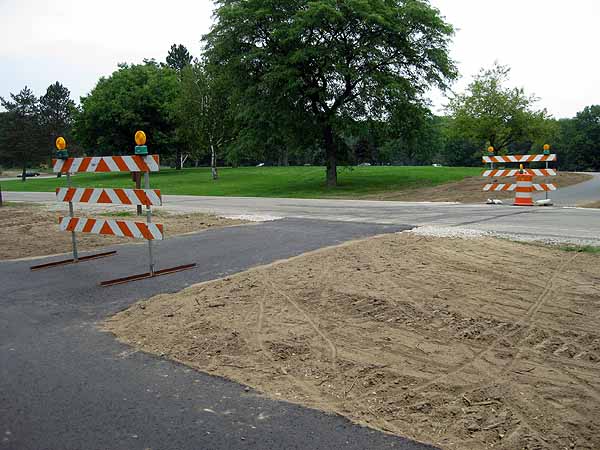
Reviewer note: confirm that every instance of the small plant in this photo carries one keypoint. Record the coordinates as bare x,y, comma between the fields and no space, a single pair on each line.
118,214
580,248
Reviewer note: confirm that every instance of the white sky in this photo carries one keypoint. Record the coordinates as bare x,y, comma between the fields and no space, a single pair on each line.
551,45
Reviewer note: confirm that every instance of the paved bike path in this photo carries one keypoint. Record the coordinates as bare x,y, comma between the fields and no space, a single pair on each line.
64,384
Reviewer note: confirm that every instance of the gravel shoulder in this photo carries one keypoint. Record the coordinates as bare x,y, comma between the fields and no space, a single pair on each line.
463,343
30,230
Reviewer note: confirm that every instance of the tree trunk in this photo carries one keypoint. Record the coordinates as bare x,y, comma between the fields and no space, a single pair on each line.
178,159
213,162
285,159
330,156
23,177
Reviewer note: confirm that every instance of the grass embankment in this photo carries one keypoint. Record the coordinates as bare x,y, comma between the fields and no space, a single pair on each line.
295,182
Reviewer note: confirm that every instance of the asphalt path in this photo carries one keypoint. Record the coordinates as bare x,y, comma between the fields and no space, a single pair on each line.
577,225
578,194
65,384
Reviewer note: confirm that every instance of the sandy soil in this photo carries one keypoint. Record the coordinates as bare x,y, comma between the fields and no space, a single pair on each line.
32,230
470,190
591,205
466,344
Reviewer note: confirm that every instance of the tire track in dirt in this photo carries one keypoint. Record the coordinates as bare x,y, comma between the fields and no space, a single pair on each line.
523,321
260,322
512,403
309,320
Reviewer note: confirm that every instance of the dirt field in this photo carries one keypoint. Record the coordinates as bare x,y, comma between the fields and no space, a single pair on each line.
470,190
466,344
32,230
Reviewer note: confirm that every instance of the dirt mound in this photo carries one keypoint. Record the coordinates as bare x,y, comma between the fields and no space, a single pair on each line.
466,344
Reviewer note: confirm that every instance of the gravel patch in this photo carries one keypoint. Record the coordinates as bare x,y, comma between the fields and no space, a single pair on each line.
469,233
252,217
451,232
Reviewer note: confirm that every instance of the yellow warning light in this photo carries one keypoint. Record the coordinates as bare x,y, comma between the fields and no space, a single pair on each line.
61,144
521,167
140,137
546,147
491,149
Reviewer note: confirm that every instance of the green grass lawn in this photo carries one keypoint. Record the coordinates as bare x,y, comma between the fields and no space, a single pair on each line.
292,182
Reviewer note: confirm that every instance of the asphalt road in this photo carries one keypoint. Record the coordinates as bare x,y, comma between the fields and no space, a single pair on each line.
577,194
64,384
581,226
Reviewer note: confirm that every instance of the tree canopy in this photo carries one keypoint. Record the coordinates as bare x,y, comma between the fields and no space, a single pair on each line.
20,133
578,140
327,59
56,110
492,113
203,114
137,96
325,82
178,58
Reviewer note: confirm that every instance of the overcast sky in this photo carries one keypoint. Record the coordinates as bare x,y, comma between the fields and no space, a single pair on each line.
551,45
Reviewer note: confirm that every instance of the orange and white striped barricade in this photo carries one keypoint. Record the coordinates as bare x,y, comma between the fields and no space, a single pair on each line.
113,196
520,159
144,197
514,172
524,190
501,187
100,164
520,186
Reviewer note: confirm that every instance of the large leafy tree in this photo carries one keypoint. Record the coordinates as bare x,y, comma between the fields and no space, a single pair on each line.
21,140
490,112
135,97
328,59
57,110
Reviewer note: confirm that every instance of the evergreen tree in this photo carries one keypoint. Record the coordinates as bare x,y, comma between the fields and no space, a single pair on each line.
21,139
56,113
178,58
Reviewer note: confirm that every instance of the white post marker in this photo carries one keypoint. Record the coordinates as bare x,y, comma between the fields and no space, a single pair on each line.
149,221
71,214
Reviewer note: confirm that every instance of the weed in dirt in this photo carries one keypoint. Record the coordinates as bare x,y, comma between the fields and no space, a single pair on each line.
118,214
580,248
562,247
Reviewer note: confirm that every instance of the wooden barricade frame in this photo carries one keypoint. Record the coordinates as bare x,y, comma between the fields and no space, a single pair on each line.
139,163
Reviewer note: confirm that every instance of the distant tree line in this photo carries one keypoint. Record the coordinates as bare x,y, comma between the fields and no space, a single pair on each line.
324,83
29,125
